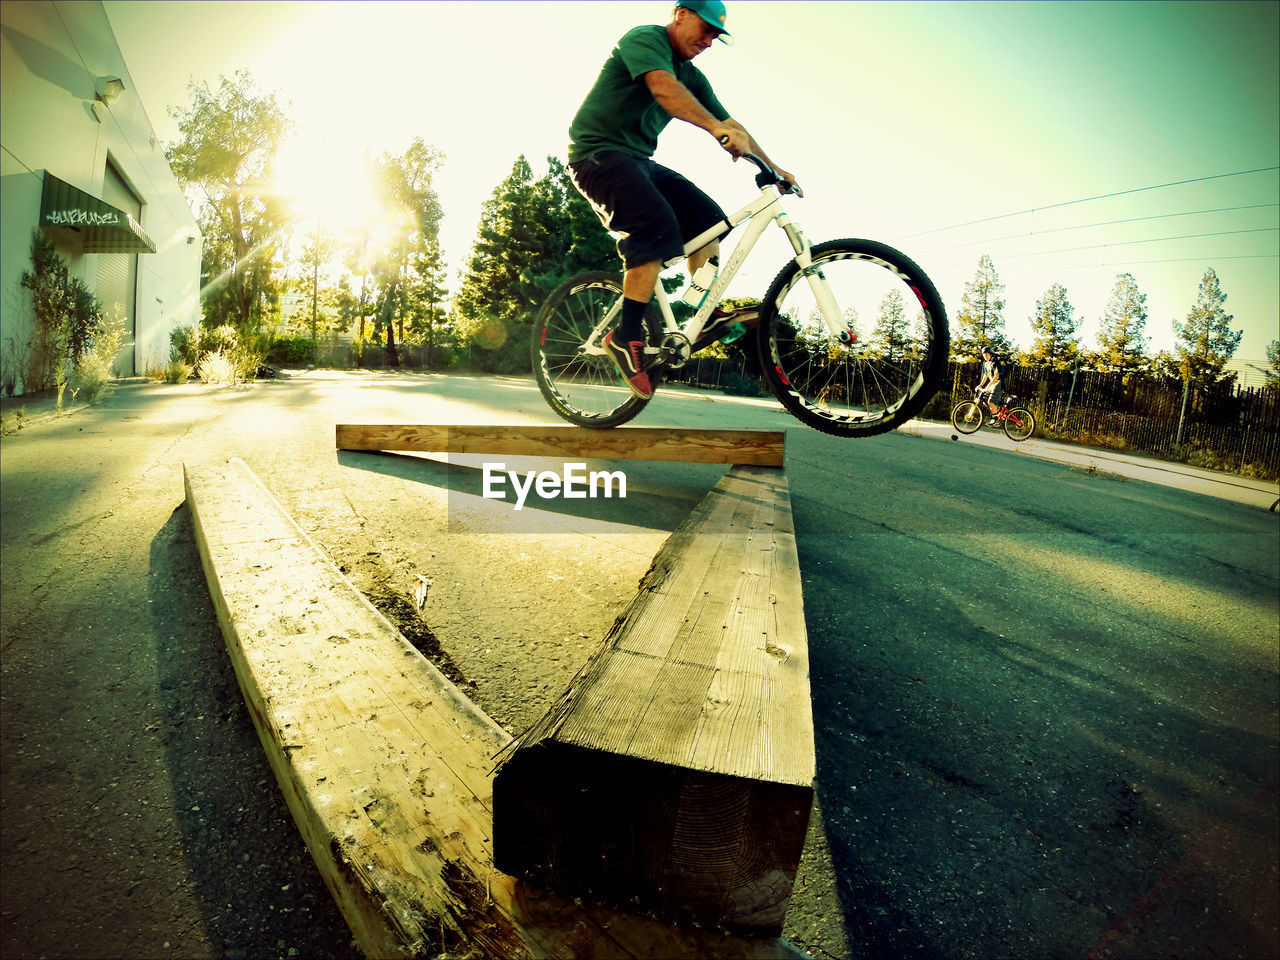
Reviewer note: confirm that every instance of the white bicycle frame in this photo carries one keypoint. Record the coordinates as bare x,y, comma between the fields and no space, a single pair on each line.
770,197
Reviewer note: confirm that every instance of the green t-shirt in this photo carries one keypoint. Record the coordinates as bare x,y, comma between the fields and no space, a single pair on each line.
620,113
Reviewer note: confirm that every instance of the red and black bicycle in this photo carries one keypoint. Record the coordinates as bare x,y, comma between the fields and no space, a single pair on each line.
1017,421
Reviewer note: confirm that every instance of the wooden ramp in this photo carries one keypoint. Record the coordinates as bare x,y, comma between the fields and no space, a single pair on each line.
675,777
673,444
385,766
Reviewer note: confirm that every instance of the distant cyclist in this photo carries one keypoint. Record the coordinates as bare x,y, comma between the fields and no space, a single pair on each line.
992,379
647,80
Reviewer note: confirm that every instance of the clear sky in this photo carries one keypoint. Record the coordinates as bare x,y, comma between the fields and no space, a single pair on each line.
1069,141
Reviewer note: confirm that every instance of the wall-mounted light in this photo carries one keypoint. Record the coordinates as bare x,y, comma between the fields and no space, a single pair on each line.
108,89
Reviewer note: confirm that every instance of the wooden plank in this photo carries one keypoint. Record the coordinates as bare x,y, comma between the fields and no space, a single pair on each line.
674,444
384,764
675,776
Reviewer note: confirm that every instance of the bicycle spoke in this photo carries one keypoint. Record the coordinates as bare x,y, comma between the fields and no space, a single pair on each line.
584,388
882,375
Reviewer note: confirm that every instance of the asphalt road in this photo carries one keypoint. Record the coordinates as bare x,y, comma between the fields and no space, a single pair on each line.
1046,693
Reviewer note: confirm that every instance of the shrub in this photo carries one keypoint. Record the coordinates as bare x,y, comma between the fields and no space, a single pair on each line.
246,360
178,371
736,384
184,345
291,351
68,317
216,368
91,373
221,338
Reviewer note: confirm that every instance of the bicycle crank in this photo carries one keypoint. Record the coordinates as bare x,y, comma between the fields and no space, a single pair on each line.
675,351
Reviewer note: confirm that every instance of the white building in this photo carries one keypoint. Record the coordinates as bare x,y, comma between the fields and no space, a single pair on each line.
80,161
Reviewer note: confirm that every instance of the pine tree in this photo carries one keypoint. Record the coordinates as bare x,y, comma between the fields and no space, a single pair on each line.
892,336
1205,340
1272,373
313,282
533,235
574,240
427,295
1122,342
1056,344
981,318
511,237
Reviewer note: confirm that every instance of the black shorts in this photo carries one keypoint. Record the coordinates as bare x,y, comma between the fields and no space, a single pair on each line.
653,209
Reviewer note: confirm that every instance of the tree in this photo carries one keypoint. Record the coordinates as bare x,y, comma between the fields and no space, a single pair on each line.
347,303
223,159
357,259
1122,344
892,336
1272,374
1056,344
509,239
981,318
405,183
68,318
1205,340
316,253
533,235
427,294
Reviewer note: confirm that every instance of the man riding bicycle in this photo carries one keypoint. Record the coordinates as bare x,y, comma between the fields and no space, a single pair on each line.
992,379
648,79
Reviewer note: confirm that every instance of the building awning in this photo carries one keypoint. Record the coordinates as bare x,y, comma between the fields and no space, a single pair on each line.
96,225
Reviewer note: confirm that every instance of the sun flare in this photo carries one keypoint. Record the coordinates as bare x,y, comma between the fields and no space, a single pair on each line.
327,185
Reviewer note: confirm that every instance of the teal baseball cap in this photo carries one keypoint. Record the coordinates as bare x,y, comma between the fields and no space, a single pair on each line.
712,11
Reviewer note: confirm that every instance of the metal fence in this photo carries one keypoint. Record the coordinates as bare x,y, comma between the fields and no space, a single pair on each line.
1220,425
375,356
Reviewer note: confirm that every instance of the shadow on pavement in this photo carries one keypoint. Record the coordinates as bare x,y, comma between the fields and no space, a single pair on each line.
259,892
659,496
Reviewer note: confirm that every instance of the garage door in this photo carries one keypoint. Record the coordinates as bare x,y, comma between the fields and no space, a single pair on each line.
118,272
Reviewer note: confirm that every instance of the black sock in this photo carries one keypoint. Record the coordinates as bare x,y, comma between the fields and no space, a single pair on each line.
631,326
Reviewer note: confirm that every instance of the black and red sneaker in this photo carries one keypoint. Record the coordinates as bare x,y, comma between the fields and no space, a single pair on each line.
628,357
730,324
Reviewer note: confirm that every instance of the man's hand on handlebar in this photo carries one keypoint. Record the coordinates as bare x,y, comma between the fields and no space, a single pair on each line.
735,141
791,185
728,140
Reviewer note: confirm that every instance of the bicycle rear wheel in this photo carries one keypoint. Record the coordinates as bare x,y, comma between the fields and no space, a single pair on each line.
576,377
896,362
967,417
1018,424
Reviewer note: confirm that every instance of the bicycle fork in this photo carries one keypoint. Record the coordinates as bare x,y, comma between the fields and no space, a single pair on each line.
817,281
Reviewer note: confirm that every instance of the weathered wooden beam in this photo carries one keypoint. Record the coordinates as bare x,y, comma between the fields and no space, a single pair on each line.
384,764
675,776
679,444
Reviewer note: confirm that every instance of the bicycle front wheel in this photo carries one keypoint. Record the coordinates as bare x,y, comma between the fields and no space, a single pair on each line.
967,417
576,377
1019,423
894,361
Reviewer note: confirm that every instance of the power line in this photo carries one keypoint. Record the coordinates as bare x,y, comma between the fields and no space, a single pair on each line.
1101,223
1137,263
1129,243
1102,196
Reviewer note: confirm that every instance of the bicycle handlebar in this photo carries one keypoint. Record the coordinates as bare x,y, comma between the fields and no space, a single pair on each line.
767,174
